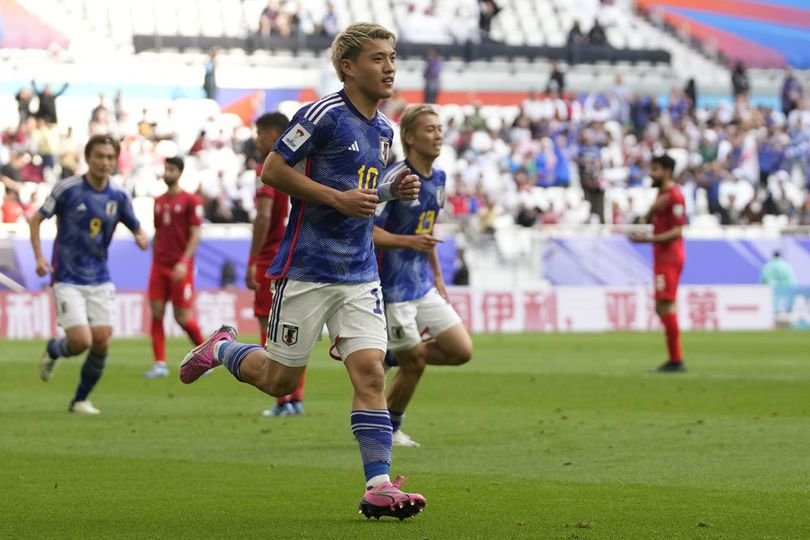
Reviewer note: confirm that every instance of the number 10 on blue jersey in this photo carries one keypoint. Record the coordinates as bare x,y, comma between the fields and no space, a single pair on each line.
367,179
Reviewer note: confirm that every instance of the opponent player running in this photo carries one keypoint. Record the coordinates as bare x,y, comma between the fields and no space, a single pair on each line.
272,208
87,208
178,216
409,269
668,217
329,160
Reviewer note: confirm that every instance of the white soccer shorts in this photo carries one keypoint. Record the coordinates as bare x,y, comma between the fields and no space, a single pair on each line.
408,320
353,314
84,305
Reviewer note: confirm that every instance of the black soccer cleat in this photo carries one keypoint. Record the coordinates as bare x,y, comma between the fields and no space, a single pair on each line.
671,367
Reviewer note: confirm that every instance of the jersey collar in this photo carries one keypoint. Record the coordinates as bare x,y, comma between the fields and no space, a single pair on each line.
353,109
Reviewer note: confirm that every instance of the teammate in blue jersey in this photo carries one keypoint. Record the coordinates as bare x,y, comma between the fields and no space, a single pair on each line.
87,209
329,161
413,286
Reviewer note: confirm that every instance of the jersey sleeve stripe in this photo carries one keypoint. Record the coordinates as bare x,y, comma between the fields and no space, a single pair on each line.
319,105
65,185
393,172
387,121
326,110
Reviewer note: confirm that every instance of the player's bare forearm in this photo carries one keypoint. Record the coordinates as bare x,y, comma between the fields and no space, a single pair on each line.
278,174
386,240
33,226
261,226
435,266
195,233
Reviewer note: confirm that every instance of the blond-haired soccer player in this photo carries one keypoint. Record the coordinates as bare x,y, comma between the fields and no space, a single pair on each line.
413,286
329,161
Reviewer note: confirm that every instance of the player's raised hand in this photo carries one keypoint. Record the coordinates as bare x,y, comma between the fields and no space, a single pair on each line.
357,203
406,186
423,242
43,267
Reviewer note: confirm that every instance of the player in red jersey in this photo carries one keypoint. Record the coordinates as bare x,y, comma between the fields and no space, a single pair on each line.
272,209
668,218
178,215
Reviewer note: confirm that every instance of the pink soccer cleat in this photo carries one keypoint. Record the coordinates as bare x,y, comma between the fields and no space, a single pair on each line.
201,358
388,500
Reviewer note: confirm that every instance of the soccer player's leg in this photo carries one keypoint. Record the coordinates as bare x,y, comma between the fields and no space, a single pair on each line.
452,345
71,315
298,317
183,301
159,294
666,290
357,329
100,301
262,302
406,344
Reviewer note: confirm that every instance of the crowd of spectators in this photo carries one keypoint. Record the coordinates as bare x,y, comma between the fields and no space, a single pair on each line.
737,162
558,158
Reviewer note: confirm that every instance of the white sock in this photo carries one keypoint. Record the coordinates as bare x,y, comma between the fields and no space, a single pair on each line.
218,345
375,481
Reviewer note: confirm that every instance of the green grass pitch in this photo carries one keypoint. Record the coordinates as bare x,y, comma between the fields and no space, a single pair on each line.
540,436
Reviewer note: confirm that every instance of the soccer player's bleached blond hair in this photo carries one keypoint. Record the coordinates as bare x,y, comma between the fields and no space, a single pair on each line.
408,121
348,44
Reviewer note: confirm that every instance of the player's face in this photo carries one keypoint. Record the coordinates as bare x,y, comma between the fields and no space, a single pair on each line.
657,173
426,137
375,69
266,139
171,174
102,160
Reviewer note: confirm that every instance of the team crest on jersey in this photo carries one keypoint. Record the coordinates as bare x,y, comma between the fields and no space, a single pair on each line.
385,149
289,334
440,196
111,208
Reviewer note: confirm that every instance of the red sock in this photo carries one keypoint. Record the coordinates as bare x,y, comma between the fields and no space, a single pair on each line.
298,394
263,335
670,322
158,340
193,331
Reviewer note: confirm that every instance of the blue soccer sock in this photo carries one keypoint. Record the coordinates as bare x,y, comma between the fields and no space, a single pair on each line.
372,429
59,347
396,419
231,354
91,372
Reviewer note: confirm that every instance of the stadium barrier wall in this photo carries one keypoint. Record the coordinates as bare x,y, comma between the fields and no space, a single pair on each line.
557,309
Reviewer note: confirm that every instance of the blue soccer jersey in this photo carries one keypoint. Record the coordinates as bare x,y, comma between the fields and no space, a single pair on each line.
405,274
86,219
332,143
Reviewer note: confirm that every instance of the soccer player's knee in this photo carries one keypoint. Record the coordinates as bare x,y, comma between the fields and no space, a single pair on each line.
462,354
79,343
181,317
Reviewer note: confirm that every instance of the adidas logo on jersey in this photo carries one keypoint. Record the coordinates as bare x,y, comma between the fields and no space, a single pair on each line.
81,208
354,147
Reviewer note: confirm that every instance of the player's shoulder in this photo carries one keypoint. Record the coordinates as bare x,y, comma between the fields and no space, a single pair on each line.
328,107
118,190
66,185
385,123
439,176
676,193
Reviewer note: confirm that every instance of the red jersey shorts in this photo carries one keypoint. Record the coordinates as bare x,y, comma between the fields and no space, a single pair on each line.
263,295
666,281
161,287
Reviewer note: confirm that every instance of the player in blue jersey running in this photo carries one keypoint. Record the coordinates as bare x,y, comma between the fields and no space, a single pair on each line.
329,161
87,209
413,286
